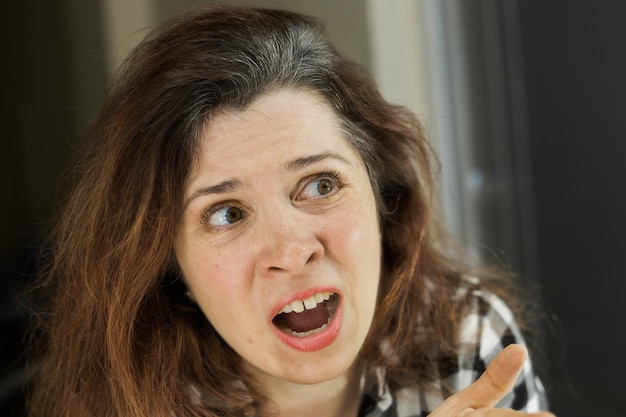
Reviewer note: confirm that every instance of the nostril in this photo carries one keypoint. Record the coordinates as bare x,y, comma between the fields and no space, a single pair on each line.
287,249
312,258
289,258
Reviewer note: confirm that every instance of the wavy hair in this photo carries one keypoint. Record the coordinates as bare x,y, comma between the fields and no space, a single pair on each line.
119,337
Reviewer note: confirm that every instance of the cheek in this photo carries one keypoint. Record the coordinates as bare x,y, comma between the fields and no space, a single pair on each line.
212,275
358,249
356,240
359,229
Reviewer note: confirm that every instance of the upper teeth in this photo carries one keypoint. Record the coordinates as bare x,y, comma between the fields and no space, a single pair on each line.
299,306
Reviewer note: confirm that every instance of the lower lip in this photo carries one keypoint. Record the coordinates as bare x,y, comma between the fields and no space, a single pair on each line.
317,341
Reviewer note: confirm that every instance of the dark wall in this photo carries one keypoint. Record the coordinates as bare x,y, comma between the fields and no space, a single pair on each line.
33,124
41,117
575,55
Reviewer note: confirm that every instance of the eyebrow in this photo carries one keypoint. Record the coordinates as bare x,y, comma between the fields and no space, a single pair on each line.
235,184
227,186
301,163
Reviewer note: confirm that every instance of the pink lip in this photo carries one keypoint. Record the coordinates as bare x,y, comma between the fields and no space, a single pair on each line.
316,341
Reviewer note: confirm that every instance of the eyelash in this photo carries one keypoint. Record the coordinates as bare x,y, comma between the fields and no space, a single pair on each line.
211,211
334,177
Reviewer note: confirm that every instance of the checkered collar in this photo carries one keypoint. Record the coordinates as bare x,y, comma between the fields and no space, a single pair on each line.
376,397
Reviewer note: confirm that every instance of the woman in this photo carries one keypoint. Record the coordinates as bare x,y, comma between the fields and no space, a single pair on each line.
251,233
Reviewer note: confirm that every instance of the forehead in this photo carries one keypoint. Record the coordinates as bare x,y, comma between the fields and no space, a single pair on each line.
283,122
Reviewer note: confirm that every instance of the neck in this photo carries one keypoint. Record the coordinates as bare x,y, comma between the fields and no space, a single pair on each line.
339,397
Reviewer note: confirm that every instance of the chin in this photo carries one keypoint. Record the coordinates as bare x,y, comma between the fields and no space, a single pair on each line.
318,370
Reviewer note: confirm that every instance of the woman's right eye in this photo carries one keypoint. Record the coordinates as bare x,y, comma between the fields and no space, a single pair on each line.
223,216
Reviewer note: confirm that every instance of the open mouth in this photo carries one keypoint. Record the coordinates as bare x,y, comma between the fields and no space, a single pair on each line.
302,318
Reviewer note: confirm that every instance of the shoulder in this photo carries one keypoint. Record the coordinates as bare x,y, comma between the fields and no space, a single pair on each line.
488,324
486,329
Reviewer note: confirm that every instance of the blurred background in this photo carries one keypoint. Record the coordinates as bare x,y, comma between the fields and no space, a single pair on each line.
524,102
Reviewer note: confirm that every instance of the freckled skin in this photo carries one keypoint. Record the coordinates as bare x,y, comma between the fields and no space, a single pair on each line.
291,238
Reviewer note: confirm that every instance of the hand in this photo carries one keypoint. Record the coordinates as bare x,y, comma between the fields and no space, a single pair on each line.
478,399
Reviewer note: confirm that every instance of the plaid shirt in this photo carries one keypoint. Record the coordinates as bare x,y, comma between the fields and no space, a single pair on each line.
486,330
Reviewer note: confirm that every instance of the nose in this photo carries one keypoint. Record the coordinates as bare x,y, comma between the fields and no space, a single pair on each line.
288,242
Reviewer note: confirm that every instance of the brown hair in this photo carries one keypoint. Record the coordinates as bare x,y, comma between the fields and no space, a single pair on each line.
120,338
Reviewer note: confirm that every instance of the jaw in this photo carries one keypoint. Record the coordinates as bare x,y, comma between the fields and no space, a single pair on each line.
328,396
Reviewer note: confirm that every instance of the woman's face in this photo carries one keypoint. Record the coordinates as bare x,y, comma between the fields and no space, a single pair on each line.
279,242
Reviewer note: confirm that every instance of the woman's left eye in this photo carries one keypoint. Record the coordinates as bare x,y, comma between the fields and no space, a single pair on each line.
319,186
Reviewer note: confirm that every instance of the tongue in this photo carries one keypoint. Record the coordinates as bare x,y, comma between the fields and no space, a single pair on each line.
307,320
